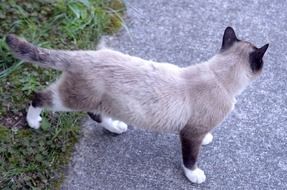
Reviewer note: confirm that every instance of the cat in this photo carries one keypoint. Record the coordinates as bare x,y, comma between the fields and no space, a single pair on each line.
116,89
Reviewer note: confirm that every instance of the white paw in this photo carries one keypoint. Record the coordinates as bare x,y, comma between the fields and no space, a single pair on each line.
34,122
115,126
119,126
207,139
195,176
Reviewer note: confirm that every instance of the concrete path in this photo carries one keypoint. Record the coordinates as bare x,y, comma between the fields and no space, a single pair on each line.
249,149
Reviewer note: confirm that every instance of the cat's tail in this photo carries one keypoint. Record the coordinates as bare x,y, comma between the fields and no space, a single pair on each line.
48,58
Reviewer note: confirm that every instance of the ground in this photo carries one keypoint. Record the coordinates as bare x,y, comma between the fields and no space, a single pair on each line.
249,148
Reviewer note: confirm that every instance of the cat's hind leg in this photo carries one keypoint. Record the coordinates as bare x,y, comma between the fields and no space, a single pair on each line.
48,99
114,126
96,117
40,100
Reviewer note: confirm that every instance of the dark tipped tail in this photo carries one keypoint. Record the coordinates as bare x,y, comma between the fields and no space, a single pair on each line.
24,50
47,58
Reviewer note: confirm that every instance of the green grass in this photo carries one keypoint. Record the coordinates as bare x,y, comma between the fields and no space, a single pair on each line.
34,159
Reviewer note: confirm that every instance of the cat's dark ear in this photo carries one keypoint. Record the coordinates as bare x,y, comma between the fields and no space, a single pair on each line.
256,58
261,51
229,38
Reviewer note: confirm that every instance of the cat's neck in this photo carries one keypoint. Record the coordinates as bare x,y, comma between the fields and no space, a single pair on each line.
229,74
220,70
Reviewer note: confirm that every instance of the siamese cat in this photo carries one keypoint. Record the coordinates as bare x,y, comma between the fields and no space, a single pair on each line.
117,89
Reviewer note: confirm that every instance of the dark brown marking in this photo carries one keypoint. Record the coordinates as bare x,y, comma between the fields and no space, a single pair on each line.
95,117
24,49
229,38
256,58
42,99
28,52
190,145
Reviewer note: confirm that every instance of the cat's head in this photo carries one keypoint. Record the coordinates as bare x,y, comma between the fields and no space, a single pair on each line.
242,52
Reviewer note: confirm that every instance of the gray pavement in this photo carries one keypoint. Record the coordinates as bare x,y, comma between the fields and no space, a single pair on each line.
249,150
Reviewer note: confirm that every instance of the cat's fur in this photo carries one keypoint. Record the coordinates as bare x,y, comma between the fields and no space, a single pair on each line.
158,96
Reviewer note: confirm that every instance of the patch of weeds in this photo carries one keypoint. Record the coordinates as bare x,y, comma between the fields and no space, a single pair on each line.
28,157
32,159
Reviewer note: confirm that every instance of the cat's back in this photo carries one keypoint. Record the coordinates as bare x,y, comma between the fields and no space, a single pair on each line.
110,58
112,65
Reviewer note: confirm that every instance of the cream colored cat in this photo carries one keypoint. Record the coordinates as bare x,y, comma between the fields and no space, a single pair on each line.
116,88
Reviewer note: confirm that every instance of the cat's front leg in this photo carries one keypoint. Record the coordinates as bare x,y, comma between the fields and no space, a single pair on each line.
190,144
207,139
